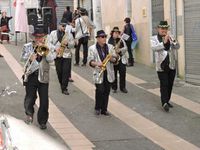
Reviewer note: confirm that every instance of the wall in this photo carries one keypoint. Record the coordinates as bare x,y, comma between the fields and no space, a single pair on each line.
141,16
112,16
180,32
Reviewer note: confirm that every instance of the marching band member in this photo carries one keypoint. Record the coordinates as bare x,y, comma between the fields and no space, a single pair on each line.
63,42
165,49
38,79
121,66
96,56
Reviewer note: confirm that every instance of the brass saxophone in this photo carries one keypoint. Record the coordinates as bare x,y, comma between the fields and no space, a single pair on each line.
63,45
109,56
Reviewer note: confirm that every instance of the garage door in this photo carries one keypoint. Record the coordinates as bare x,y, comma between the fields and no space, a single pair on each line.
157,14
192,40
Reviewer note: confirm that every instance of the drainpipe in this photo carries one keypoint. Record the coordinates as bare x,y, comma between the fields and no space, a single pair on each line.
97,13
78,3
92,17
128,5
174,28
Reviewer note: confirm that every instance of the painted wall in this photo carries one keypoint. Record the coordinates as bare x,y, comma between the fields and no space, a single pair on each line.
180,32
141,18
112,16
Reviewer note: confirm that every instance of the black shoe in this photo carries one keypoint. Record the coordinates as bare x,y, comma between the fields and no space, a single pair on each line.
106,113
65,92
71,80
166,107
114,91
29,119
170,105
83,65
130,65
1,55
97,112
76,64
124,90
43,126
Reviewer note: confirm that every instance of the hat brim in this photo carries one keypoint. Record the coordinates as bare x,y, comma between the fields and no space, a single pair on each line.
38,34
116,31
163,26
101,35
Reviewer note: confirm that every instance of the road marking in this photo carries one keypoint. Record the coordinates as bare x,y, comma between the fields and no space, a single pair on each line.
58,120
149,129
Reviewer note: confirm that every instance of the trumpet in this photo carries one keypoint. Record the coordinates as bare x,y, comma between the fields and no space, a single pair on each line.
42,50
173,40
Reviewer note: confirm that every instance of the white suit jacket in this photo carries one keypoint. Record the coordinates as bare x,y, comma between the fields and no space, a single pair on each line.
161,54
93,55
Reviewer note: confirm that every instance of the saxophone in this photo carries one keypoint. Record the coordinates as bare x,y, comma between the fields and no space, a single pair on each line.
109,56
63,45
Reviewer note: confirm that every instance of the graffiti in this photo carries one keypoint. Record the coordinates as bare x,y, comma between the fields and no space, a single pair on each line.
8,90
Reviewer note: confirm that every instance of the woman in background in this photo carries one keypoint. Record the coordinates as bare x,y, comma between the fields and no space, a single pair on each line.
4,26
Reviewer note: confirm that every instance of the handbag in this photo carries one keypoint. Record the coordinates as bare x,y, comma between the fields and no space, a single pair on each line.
85,36
133,33
4,28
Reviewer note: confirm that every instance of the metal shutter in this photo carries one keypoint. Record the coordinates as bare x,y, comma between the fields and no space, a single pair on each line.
192,40
61,7
157,14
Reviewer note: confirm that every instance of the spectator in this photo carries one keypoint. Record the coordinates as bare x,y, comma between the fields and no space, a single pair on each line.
67,15
5,26
83,27
129,30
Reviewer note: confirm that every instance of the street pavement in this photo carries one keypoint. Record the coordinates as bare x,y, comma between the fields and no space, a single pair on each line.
137,121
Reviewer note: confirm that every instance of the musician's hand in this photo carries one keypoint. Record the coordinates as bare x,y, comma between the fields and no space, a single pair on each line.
166,39
33,57
57,50
99,64
65,42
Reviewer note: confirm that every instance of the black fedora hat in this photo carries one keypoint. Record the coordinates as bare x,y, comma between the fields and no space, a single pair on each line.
100,33
39,31
63,24
163,24
116,29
